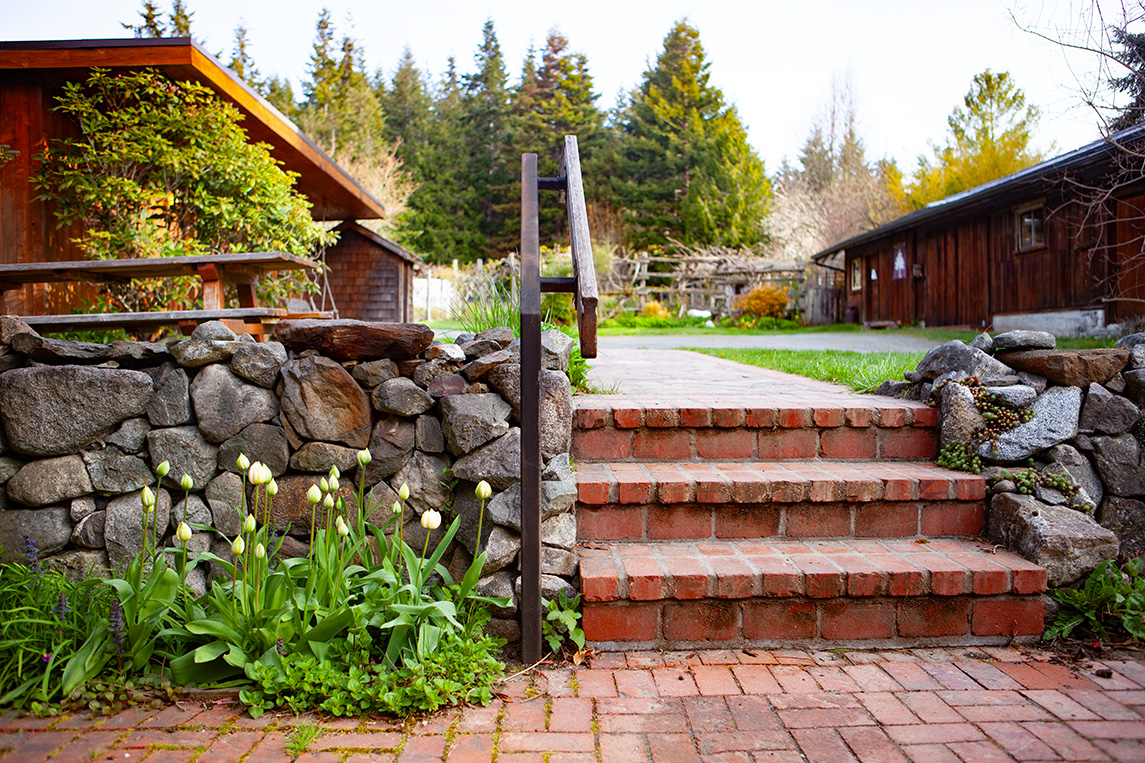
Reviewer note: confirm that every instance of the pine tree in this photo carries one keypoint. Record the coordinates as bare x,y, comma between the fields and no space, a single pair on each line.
150,21
1132,56
682,147
241,62
180,20
322,65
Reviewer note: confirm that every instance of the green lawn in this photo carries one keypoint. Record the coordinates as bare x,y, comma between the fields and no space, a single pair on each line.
861,371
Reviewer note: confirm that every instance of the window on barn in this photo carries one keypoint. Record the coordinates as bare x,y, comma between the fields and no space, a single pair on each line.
1030,222
857,274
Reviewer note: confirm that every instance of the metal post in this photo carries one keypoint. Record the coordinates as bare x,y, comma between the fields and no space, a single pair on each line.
530,414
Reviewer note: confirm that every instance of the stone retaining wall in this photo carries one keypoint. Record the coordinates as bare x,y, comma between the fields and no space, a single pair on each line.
84,426
1086,431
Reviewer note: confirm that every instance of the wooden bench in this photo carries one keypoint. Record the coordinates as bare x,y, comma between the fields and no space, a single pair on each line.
216,271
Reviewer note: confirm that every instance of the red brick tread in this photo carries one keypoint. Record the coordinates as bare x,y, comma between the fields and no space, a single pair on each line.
599,412
815,569
776,482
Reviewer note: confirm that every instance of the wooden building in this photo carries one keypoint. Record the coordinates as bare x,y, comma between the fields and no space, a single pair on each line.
32,75
1056,246
370,278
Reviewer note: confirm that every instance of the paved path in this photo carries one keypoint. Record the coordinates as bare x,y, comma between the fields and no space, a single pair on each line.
965,704
864,341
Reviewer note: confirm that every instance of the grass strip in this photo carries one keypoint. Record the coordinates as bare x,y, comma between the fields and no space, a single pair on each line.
861,371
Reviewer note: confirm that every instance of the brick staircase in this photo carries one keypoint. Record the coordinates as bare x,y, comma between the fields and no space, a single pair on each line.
810,526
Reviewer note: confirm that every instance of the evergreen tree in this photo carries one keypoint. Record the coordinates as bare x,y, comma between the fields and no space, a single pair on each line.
1132,56
241,62
150,21
180,20
280,93
989,138
682,147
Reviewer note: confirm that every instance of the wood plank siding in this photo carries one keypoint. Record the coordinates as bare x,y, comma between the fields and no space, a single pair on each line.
370,277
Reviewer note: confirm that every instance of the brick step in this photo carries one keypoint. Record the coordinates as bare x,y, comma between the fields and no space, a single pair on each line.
902,431
684,595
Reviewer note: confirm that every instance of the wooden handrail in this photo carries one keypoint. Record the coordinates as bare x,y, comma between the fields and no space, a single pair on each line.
584,268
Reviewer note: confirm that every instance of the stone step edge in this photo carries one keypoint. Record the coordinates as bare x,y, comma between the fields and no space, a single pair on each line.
597,415
744,569
874,622
602,483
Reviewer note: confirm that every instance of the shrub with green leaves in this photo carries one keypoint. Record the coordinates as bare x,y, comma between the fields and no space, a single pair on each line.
562,622
1111,603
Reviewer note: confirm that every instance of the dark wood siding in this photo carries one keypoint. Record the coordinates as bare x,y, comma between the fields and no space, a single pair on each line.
369,283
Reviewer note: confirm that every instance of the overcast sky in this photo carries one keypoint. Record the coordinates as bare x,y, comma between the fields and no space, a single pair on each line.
909,61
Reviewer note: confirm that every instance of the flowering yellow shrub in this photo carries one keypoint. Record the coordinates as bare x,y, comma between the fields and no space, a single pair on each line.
763,301
653,309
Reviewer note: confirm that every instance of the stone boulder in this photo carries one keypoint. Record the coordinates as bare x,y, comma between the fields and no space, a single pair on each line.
557,497
400,396
323,402
225,499
556,404
430,370
196,353
1106,412
50,480
58,352
959,416
57,410
113,472
318,457
1016,395
446,385
290,508
423,474
469,421
1131,340
428,435
502,335
479,348
258,442
957,356
131,437
1068,543
1120,463
225,404
214,331
1135,385
499,585
556,349
259,362
188,453
49,529
1025,340
501,550
560,531
1056,413
498,462
449,352
355,340
391,445
170,403
123,530
88,532
1126,518
1069,368
983,342
1077,466
374,372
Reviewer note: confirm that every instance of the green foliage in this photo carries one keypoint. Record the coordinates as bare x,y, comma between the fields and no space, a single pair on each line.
562,622
301,737
1027,481
686,171
861,371
989,138
1110,603
46,621
1131,56
960,456
162,168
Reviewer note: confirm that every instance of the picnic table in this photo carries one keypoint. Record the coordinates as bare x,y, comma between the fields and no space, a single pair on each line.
216,270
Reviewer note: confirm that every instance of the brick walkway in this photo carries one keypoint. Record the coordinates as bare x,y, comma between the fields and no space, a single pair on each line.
958,704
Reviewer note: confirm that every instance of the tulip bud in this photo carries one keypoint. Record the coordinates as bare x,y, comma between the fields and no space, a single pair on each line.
186,482
259,551
333,483
396,508
248,524
183,532
322,483
431,520
328,502
243,463
340,524
148,498
403,492
314,494
266,474
483,490
272,488
335,472
238,547
364,457
163,469
253,473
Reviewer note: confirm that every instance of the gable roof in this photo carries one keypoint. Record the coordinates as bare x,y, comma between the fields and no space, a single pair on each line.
334,194
989,194
391,247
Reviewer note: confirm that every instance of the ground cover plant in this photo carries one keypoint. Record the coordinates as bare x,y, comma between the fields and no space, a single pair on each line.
1109,605
363,624
861,371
